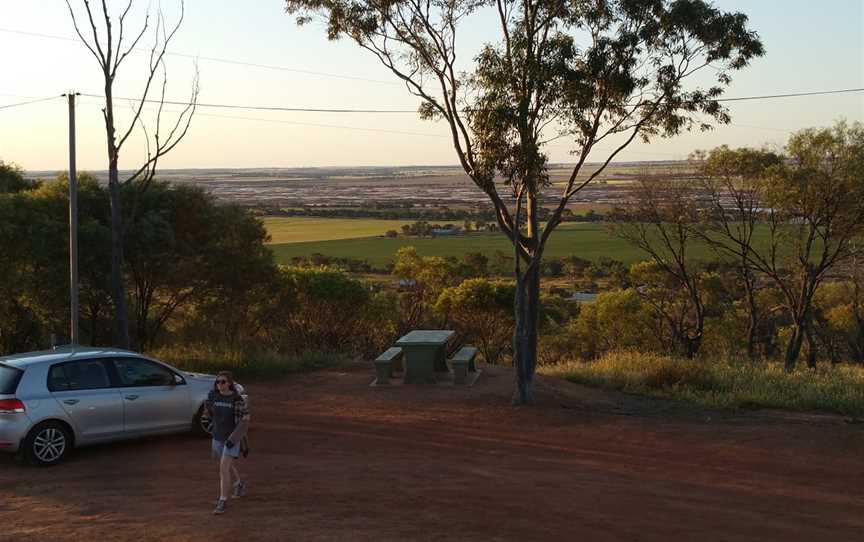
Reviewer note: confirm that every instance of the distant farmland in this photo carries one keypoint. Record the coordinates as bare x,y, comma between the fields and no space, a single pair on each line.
303,229
586,240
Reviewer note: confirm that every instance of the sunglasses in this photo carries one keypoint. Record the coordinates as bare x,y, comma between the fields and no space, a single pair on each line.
221,381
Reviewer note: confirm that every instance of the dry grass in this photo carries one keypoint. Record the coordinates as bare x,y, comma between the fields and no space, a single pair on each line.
726,384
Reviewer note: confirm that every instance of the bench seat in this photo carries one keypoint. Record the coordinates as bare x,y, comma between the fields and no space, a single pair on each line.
385,362
462,362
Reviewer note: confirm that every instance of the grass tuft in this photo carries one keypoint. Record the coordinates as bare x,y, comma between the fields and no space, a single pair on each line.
727,384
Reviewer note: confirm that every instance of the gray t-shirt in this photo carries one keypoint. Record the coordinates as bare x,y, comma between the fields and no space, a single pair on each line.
222,413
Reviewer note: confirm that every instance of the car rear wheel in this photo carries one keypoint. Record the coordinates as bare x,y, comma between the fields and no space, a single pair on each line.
47,444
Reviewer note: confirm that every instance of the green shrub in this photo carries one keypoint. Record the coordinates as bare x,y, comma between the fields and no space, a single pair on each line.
616,319
482,311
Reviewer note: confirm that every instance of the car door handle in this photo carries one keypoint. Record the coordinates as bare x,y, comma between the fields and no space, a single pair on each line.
131,397
71,401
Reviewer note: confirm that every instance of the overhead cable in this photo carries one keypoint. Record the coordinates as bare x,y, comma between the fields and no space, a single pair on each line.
221,60
30,102
350,110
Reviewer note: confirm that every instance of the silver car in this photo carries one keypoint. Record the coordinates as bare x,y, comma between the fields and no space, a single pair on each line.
55,400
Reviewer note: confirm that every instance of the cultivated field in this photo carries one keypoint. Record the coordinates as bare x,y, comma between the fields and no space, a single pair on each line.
586,240
333,459
301,229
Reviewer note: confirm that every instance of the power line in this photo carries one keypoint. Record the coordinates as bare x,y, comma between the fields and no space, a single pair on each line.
20,96
220,60
357,78
349,110
379,130
383,130
791,95
403,132
736,125
262,107
296,123
30,102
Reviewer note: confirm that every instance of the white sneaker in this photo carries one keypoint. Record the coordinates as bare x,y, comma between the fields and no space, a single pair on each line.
239,490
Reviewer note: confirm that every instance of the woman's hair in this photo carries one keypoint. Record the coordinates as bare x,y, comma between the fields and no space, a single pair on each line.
228,376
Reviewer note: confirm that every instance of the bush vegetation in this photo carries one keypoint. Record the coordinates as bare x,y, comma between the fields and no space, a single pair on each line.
722,383
247,363
206,293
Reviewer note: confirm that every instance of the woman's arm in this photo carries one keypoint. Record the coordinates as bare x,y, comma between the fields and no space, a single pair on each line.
239,432
207,409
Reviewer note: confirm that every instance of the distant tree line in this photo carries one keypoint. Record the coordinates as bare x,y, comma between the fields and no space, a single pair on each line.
415,213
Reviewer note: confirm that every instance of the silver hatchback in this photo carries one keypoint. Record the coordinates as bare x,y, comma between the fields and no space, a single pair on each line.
58,399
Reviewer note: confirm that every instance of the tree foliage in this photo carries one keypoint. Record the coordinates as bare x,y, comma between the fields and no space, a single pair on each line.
585,71
482,311
177,252
813,204
12,179
661,222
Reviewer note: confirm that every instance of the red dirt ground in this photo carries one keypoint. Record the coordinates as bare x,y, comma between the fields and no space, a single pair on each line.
333,459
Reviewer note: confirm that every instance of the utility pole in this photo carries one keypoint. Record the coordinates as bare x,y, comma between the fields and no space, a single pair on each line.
73,224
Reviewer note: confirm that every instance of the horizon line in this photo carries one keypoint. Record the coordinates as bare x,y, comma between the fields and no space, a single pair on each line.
412,166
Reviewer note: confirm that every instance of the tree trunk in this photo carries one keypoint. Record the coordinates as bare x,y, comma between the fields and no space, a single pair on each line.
751,337
793,349
118,290
856,345
752,318
801,320
682,344
527,312
524,393
811,345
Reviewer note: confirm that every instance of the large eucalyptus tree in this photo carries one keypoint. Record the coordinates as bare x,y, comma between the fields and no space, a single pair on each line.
580,71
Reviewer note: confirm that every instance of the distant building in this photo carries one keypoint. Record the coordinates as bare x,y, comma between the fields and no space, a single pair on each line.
583,297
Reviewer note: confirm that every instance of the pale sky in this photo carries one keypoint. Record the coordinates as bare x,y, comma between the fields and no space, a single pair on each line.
811,46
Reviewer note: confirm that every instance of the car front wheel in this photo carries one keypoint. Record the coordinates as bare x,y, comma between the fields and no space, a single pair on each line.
47,444
202,425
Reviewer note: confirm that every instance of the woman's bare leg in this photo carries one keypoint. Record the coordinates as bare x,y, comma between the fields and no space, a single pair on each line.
225,467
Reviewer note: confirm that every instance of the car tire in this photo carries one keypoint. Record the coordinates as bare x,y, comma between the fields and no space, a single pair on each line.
200,425
47,444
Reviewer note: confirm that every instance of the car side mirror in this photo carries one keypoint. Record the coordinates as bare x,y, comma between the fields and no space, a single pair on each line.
177,380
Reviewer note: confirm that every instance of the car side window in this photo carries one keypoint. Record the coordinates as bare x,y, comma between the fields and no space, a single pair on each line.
88,374
135,372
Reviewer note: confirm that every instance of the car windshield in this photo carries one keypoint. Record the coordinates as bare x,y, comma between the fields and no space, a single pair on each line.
9,378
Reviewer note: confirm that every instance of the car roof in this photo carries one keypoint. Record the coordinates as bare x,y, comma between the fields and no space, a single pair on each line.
62,353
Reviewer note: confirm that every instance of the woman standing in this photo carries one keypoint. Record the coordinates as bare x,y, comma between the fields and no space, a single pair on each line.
229,412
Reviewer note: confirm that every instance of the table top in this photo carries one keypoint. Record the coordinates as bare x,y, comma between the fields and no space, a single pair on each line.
425,337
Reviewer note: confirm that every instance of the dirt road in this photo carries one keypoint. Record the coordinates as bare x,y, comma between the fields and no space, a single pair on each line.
334,459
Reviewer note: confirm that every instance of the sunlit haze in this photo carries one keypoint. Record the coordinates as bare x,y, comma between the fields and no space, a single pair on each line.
811,46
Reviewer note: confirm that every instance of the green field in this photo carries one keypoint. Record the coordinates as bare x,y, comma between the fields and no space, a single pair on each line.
586,240
303,229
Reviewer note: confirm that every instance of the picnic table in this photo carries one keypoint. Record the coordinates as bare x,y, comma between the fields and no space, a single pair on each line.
425,352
